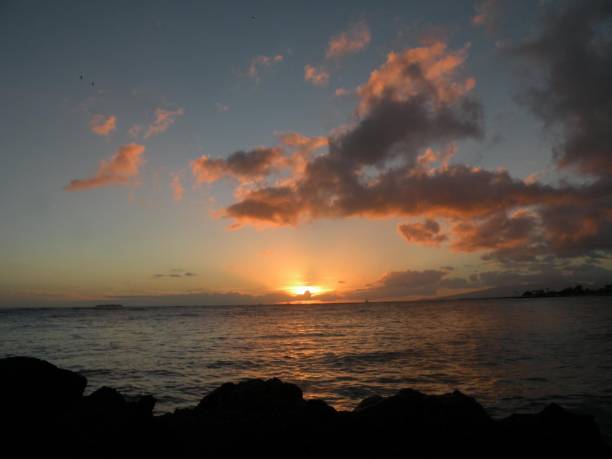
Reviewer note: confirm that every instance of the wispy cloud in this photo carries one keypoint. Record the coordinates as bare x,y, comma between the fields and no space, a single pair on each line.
119,170
317,76
343,92
176,185
259,62
174,274
134,131
222,108
353,40
487,14
103,125
163,120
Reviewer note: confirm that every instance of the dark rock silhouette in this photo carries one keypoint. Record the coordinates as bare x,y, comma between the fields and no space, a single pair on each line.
33,387
269,418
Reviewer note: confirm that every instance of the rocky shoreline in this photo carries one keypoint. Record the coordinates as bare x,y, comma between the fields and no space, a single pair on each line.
43,412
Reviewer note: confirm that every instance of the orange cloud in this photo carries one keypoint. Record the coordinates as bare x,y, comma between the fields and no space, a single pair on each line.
302,142
123,165
262,61
428,69
487,14
244,166
177,187
163,120
342,92
356,38
317,76
103,125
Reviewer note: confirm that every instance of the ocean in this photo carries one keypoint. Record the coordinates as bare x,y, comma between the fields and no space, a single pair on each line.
513,355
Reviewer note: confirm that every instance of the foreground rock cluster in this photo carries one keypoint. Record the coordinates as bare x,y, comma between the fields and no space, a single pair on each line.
43,413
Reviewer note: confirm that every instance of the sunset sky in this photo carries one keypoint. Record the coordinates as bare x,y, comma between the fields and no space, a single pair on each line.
167,152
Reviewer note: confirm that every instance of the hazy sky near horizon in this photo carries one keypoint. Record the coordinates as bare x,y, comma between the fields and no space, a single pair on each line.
221,152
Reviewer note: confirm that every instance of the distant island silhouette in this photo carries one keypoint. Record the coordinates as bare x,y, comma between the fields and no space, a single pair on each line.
108,306
578,290
46,414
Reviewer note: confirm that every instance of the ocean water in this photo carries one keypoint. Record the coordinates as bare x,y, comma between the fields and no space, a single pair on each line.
512,355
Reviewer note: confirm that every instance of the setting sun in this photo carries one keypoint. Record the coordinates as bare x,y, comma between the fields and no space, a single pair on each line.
305,289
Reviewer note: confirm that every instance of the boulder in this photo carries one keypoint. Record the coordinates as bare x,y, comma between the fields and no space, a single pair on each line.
410,406
253,396
30,386
44,413
555,430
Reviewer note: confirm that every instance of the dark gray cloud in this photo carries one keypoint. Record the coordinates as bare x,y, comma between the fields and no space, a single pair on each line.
242,165
175,273
397,284
427,232
574,54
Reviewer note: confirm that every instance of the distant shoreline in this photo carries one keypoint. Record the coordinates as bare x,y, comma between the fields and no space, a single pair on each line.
550,294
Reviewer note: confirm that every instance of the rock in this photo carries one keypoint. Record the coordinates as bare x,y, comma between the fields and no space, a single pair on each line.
47,415
555,429
368,403
107,402
30,386
409,406
254,395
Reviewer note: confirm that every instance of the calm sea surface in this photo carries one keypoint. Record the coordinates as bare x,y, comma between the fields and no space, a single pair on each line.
512,355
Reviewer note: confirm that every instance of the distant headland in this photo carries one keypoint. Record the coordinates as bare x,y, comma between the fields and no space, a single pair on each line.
578,290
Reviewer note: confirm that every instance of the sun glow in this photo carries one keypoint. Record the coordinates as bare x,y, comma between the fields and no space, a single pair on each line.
305,290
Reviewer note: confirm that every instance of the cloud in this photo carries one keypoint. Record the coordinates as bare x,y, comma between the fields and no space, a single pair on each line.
174,274
411,283
487,15
302,142
355,39
123,166
134,131
499,231
426,70
262,61
573,52
371,168
546,276
163,120
394,159
316,76
427,232
103,125
585,229
176,185
242,165
343,92
222,108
